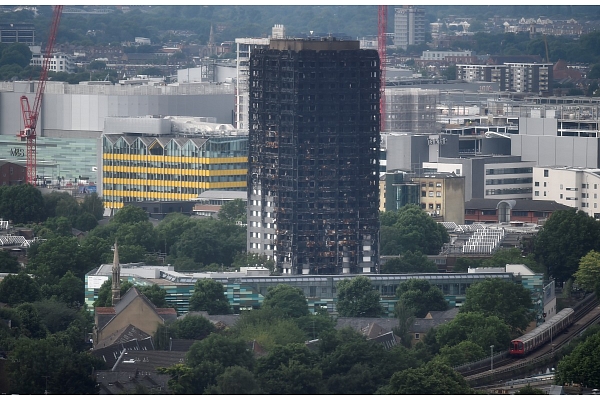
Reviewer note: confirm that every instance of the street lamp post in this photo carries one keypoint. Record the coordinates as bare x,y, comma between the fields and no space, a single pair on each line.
492,357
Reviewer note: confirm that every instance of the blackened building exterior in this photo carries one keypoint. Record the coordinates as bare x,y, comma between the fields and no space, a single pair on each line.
314,156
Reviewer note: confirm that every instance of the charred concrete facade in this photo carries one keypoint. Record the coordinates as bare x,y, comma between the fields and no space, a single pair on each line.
313,193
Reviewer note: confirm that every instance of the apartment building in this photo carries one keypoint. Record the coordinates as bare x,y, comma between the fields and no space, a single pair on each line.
571,186
409,26
517,77
314,156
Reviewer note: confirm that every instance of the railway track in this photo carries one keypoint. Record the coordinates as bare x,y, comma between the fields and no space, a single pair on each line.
585,316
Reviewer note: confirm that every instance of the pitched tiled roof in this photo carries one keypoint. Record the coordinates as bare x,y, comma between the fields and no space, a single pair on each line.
365,325
111,354
123,335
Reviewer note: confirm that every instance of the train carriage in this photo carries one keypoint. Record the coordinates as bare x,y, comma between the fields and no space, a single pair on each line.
540,335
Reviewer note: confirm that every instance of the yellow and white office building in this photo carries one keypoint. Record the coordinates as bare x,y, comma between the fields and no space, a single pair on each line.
170,167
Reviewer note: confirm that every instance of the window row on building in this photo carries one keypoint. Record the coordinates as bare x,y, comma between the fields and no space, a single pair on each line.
154,168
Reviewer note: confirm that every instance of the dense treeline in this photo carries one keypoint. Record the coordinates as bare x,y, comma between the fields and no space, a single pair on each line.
341,361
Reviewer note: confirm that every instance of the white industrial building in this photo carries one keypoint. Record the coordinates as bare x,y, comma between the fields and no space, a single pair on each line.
72,118
574,187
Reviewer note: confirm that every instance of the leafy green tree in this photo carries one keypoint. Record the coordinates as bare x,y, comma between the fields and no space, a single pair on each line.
421,296
67,372
530,390
233,211
130,215
511,256
450,73
463,264
235,380
16,53
95,249
406,318
85,222
21,204
136,234
69,290
92,203
57,226
413,230
17,289
155,294
434,378
192,327
582,365
567,236
462,353
55,315
314,325
223,350
54,257
209,296
349,353
357,298
211,241
408,263
30,323
8,263
289,370
269,328
476,328
287,299
171,228
588,274
509,301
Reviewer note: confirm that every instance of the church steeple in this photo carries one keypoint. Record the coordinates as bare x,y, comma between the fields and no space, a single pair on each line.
116,277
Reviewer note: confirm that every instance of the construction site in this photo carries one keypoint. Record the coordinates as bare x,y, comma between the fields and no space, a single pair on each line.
411,110
314,156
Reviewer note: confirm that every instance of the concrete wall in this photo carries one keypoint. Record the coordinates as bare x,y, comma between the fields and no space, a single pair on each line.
86,112
554,150
454,200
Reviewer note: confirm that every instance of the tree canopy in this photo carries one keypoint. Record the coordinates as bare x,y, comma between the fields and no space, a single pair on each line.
588,273
209,296
509,301
582,365
421,296
409,263
288,300
567,236
411,229
434,378
357,298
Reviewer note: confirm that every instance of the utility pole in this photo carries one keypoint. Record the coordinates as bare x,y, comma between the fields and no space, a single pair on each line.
46,376
492,358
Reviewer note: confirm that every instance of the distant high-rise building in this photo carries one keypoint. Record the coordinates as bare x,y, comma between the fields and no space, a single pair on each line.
314,156
17,33
409,27
245,47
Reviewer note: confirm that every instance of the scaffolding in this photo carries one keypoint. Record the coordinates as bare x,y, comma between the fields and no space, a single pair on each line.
314,156
411,110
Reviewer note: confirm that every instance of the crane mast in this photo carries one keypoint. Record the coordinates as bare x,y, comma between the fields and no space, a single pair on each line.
30,115
381,41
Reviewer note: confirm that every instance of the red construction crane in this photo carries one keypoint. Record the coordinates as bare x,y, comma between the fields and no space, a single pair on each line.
381,41
30,116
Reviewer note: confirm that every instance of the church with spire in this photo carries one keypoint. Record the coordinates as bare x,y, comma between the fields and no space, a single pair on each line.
116,278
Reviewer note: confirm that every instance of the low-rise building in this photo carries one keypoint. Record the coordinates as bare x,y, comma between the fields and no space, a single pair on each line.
510,211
